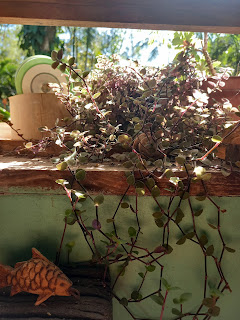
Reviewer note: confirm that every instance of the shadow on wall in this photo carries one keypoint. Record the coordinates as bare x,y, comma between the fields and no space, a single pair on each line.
46,245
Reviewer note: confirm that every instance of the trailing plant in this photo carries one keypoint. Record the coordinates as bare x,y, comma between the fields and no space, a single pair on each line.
158,124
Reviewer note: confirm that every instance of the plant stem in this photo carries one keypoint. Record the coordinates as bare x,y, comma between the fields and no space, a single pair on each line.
163,306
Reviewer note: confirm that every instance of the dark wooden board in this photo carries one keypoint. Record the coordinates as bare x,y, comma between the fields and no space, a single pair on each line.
205,15
95,302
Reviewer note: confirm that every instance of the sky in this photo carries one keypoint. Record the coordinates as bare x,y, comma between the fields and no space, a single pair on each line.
165,55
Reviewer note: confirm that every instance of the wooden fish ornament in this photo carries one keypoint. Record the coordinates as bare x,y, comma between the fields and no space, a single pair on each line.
37,275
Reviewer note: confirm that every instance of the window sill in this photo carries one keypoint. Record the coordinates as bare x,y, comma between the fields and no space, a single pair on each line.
41,173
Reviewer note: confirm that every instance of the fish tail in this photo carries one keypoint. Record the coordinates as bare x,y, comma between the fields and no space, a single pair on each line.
4,272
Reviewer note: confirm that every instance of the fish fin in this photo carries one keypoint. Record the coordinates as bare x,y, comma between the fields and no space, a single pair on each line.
15,290
43,297
37,255
18,264
4,272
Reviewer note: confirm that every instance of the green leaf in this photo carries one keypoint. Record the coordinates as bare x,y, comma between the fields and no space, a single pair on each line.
62,166
158,163
158,299
124,205
210,250
168,173
132,232
140,192
198,213
62,67
212,226
124,138
176,312
174,180
199,171
70,244
203,240
179,216
98,200
128,164
157,215
165,283
150,268
168,248
184,195
185,296
28,145
200,197
80,174
208,302
110,220
180,160
181,240
74,76
190,235
71,61
230,249
159,223
150,183
214,311
54,55
216,139
135,295
177,301
141,274
96,95
131,180
152,83
62,181
155,192
123,302
85,73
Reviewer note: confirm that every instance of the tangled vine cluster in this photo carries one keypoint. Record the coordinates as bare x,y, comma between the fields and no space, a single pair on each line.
158,124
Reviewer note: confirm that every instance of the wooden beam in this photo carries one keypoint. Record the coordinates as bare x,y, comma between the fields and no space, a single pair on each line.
205,15
28,174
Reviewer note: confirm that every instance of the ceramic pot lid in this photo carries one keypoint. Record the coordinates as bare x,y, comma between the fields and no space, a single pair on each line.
35,73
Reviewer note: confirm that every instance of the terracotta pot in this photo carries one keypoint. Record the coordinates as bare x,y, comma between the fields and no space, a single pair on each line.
230,91
31,111
230,150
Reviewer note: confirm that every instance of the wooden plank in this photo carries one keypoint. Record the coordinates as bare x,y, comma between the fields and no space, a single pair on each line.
205,15
95,301
39,173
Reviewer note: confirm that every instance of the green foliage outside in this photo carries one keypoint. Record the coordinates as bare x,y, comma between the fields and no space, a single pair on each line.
226,49
39,39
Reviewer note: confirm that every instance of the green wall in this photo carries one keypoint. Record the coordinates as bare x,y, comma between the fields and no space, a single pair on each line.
34,218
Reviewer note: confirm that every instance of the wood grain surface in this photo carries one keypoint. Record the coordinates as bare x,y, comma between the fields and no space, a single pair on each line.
41,173
212,16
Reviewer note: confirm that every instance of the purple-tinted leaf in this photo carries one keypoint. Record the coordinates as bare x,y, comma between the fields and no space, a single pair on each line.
96,224
159,249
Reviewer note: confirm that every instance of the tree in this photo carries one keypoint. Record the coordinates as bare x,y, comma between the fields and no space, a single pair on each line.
39,39
226,49
85,44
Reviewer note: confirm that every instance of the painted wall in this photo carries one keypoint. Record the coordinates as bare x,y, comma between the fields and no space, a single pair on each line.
34,218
